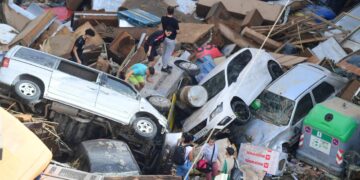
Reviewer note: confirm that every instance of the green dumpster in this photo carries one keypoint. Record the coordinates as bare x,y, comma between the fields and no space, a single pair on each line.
330,130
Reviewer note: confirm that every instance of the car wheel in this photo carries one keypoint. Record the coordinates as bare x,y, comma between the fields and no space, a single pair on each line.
189,67
145,128
28,91
161,103
274,70
242,112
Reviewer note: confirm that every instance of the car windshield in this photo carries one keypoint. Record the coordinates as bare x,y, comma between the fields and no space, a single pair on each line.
214,85
274,108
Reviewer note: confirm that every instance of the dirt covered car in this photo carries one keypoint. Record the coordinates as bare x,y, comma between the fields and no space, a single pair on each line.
232,86
281,107
34,76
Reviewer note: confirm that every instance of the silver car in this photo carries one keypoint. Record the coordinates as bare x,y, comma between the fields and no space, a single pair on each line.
34,75
283,105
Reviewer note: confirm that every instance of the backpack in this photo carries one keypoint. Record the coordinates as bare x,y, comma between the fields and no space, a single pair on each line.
179,155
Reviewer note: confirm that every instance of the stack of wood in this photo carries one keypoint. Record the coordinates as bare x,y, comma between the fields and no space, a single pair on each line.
298,32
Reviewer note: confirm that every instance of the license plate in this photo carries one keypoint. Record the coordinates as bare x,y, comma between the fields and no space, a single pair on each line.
320,145
201,133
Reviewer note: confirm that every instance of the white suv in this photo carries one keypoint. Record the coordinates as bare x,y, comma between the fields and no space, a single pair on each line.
232,86
34,75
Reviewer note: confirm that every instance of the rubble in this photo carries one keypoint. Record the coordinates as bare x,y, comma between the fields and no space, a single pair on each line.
309,33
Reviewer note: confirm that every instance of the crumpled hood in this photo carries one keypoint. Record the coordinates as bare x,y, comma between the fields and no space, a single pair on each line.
260,132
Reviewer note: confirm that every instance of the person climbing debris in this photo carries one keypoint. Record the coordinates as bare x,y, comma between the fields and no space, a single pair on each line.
136,74
153,42
77,51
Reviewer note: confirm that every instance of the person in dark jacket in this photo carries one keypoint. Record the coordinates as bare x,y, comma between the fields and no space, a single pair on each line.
169,43
78,48
153,42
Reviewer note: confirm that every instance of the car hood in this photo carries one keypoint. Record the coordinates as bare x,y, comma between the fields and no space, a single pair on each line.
259,132
203,113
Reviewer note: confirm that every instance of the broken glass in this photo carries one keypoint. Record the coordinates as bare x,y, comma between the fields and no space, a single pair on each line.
275,109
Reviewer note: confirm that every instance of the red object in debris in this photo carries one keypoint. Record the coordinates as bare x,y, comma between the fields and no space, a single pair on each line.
5,62
62,13
209,49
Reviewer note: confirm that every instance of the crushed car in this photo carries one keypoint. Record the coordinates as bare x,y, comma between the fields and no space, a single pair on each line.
278,116
232,86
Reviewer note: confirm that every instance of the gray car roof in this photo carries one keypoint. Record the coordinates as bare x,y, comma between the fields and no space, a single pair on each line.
297,80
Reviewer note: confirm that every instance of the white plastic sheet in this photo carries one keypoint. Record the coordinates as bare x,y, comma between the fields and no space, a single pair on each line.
107,5
7,33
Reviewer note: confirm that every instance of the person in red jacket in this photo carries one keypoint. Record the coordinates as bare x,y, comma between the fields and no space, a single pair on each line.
154,41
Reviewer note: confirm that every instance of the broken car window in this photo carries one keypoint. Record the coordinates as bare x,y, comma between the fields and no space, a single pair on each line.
237,65
275,109
119,86
37,57
323,91
78,71
214,85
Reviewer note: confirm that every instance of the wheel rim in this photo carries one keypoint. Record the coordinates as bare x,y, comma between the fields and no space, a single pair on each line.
27,89
187,65
240,111
144,126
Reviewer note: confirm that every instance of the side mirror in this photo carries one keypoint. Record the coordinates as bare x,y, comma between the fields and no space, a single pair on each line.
296,130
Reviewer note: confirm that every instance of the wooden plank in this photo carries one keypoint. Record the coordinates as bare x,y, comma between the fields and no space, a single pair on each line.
348,92
328,22
234,37
192,32
260,38
311,40
121,46
34,29
59,45
252,18
288,60
241,7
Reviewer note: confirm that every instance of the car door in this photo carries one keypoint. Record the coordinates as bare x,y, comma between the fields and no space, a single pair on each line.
74,84
116,99
304,105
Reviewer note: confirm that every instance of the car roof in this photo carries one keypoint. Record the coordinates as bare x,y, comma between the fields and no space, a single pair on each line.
297,80
222,66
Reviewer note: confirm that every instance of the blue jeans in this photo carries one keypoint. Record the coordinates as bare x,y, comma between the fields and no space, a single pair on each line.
181,170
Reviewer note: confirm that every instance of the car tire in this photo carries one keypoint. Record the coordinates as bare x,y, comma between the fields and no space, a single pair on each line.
145,128
160,103
27,90
189,67
274,70
242,112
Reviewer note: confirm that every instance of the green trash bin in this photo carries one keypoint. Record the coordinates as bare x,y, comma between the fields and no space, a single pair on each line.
330,130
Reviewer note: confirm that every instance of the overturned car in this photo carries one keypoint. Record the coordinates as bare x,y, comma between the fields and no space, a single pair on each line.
85,103
232,86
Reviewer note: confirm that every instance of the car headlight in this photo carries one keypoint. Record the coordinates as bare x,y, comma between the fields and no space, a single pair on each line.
216,111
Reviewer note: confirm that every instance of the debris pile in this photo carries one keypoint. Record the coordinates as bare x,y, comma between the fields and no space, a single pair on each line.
138,81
